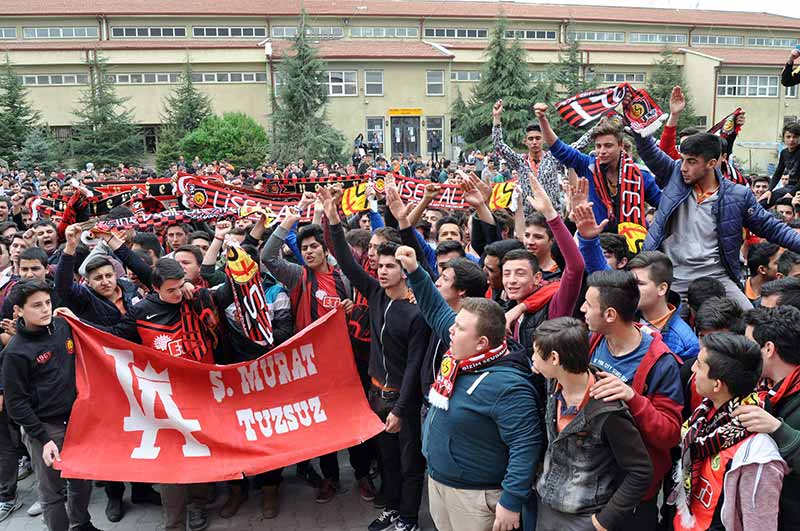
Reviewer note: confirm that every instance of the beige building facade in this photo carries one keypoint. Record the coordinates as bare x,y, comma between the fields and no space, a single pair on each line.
393,68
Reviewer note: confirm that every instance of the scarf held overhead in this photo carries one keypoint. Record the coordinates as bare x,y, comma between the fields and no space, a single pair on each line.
248,295
641,112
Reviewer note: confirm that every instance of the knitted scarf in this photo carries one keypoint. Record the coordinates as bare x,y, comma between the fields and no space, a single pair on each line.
198,318
788,387
727,126
630,192
248,295
442,388
707,433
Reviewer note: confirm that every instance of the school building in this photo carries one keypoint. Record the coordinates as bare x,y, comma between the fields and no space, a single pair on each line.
393,67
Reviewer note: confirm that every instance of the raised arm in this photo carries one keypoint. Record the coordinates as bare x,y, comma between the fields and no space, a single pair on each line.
514,159
74,294
660,164
285,272
566,155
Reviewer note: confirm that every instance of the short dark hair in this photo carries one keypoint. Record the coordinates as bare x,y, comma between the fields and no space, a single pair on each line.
23,290
34,253
719,313
701,289
149,241
618,290
145,256
96,262
358,238
658,265
784,201
500,248
607,127
791,127
533,127
452,220
760,255
43,223
615,244
390,233
787,261
166,269
312,231
183,227
779,325
492,318
388,249
787,289
522,254
200,234
567,336
703,145
735,360
193,249
469,276
120,212
759,179
450,246
537,219
691,130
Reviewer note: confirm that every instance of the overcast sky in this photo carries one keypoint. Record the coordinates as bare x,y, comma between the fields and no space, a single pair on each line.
780,7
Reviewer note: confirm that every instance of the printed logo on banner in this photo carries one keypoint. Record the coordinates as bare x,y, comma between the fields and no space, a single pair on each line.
152,385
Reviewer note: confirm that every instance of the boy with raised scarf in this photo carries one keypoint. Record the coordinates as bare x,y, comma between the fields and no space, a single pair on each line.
777,331
727,477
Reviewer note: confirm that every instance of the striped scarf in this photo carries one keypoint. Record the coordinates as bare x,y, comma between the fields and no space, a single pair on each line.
442,388
630,193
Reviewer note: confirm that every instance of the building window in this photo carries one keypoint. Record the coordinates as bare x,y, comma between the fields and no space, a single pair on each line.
623,77
718,40
457,33
597,36
342,83
147,32
748,86
659,38
84,32
227,31
531,35
375,127
384,32
537,76
55,79
325,32
434,82
284,32
465,75
791,92
772,42
150,137
8,33
373,82
159,78
435,124
280,82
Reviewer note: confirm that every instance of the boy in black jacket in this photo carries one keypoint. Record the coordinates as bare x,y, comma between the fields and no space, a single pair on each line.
39,390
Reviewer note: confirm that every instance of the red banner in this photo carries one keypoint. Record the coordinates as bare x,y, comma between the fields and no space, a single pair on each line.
143,416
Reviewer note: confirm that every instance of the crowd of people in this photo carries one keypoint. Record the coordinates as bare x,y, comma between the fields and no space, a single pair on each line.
617,350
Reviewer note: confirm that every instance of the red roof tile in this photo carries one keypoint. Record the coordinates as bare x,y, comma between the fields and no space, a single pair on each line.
746,56
362,49
400,8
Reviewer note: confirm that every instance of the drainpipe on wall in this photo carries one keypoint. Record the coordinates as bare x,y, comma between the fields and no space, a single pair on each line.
714,107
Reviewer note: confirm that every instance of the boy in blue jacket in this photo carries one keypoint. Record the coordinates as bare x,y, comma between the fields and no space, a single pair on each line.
479,438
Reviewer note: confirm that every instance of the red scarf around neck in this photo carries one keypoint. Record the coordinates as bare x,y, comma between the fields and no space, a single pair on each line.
630,190
442,388
789,386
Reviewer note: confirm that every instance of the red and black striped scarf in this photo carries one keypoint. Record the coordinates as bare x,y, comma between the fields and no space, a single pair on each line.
630,220
788,387
442,388
199,324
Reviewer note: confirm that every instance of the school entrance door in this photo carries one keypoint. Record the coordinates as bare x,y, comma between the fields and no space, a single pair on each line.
405,135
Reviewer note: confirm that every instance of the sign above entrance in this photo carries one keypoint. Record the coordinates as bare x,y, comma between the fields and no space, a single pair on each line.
405,111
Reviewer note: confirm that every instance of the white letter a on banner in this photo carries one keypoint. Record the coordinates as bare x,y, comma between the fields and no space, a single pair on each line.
142,418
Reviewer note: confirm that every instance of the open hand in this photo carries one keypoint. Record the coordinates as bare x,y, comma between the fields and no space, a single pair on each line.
677,101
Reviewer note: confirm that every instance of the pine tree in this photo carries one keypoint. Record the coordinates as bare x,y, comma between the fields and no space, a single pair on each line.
105,132
184,110
569,79
17,116
505,76
39,150
299,120
666,75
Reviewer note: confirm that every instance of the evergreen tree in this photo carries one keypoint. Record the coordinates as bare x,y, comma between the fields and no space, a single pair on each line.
666,75
505,76
234,137
299,120
39,150
105,132
184,109
569,79
17,116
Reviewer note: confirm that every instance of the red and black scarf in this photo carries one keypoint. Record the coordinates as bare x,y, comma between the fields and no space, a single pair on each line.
248,295
199,324
727,126
631,221
442,388
788,387
707,433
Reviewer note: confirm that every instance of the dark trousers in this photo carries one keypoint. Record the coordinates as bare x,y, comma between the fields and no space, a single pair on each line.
645,516
9,454
265,479
403,470
116,489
